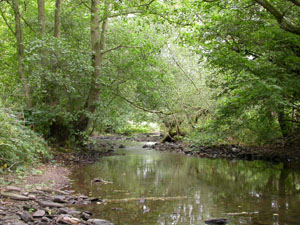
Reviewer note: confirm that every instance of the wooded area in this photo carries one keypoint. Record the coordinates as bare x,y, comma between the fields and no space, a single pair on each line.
208,71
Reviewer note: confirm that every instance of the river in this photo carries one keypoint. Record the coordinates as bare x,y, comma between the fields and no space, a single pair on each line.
147,187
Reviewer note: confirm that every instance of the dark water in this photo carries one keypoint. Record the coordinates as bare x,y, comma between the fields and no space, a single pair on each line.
245,192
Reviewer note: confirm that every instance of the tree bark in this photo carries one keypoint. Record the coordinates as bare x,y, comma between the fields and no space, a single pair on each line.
20,48
41,17
57,22
97,45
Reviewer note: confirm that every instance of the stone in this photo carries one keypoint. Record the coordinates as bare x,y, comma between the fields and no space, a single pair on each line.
217,221
39,213
74,212
13,188
51,204
83,196
71,220
59,199
67,219
14,196
46,219
19,223
32,197
63,211
85,216
99,222
26,216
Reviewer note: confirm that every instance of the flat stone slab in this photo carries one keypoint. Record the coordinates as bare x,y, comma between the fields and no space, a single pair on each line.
51,204
39,213
14,196
13,188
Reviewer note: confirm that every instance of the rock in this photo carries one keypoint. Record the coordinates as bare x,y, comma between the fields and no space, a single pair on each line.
39,213
26,216
217,221
85,216
99,222
142,201
51,204
46,220
71,220
19,223
13,188
31,197
52,190
74,212
84,196
11,217
98,180
59,199
67,219
14,196
63,211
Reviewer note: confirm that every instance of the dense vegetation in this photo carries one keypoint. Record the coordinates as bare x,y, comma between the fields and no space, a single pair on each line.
212,71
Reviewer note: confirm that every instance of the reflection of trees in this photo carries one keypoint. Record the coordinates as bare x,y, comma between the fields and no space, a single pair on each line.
216,186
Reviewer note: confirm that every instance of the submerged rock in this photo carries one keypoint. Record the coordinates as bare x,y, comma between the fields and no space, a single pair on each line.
217,221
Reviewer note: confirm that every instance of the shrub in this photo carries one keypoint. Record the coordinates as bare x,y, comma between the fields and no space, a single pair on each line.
19,144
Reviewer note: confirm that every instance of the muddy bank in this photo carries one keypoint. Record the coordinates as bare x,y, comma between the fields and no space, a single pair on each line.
230,152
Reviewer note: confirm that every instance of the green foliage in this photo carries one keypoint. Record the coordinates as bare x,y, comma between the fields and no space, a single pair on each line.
19,144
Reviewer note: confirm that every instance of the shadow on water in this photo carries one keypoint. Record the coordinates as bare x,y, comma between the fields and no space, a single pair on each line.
246,192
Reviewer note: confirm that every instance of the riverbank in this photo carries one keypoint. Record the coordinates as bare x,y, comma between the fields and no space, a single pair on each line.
43,197
271,154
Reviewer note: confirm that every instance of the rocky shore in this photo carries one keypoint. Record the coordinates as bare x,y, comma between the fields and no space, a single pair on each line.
43,197
44,206
230,152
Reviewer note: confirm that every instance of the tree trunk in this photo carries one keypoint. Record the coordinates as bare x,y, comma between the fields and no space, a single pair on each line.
283,124
98,45
41,17
20,47
57,22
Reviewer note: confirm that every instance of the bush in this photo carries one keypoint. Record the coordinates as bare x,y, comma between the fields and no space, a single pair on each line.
19,144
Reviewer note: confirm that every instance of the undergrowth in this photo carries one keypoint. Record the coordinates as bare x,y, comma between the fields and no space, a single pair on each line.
19,144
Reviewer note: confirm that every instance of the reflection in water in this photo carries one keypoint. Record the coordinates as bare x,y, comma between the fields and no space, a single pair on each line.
246,192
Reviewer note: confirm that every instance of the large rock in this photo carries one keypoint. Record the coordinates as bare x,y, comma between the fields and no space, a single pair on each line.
99,222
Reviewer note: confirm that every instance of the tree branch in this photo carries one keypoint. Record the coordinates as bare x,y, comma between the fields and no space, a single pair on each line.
6,22
116,93
21,17
283,22
115,48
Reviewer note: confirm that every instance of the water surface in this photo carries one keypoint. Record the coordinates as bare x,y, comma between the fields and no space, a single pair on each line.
246,192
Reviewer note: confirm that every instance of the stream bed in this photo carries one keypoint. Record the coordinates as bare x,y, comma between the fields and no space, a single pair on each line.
147,187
